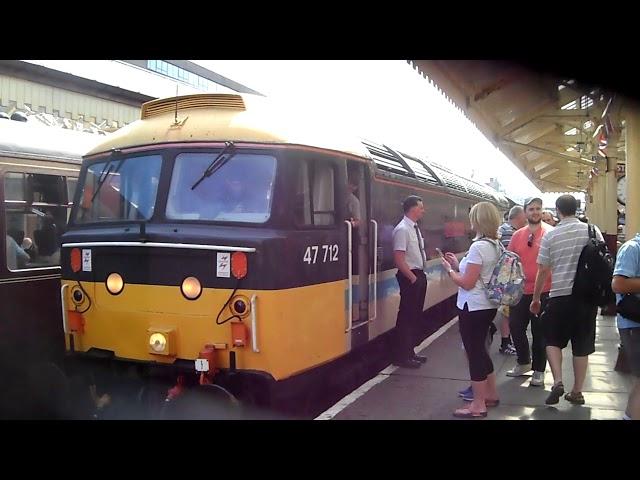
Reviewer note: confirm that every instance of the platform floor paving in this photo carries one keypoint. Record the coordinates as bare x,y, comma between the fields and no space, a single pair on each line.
430,393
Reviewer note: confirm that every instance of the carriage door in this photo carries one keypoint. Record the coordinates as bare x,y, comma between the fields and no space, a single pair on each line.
362,233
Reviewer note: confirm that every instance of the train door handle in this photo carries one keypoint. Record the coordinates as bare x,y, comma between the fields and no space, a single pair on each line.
349,274
375,271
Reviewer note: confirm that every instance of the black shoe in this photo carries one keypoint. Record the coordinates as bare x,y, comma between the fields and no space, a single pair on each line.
420,358
556,392
411,363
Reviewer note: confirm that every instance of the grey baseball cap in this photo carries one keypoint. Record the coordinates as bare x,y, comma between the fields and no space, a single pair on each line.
529,200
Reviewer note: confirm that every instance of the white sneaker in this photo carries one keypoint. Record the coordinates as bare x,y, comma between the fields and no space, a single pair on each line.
537,380
519,370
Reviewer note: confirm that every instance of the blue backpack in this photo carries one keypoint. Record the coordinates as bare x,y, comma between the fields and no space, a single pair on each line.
506,285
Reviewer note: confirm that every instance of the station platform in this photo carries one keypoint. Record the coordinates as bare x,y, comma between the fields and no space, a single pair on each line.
431,392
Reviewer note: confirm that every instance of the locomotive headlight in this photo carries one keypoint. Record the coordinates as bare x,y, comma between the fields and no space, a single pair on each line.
115,283
158,342
191,288
162,341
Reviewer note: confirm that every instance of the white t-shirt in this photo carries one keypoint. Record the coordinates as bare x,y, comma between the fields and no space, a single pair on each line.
405,239
485,253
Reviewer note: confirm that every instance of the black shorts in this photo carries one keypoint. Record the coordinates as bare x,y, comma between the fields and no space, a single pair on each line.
631,345
567,318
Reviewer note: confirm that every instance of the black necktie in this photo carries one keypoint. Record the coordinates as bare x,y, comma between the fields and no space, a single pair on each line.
422,253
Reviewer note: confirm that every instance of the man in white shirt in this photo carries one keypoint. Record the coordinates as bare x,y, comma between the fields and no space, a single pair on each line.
411,261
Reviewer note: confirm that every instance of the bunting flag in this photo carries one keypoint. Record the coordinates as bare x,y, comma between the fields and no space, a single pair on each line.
602,141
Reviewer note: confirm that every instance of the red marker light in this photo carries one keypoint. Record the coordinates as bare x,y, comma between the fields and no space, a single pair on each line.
76,260
239,265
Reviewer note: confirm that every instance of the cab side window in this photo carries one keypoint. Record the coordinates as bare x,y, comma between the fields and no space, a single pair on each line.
315,193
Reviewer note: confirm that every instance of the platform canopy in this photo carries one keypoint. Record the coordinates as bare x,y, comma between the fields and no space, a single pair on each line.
555,130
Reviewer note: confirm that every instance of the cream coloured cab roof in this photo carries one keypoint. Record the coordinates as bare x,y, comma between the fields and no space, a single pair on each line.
227,117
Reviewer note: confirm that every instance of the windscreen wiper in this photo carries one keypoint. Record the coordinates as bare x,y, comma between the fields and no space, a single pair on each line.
104,175
215,165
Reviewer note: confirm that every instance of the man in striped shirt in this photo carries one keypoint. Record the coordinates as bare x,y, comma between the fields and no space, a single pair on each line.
565,317
515,221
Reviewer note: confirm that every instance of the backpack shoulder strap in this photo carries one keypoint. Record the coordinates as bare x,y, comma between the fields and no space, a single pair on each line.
496,243
592,231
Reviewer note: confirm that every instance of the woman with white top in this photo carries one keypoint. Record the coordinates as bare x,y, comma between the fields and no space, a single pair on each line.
476,312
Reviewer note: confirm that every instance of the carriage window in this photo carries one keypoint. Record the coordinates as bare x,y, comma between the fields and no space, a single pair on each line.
14,186
314,204
72,184
121,189
36,215
238,191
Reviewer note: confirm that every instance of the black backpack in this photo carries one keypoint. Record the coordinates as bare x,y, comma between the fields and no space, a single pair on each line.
592,283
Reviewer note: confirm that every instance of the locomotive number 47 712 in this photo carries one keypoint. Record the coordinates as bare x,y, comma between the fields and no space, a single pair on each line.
328,253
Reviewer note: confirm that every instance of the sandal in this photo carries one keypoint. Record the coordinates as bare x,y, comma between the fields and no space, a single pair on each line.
556,392
492,403
466,413
575,397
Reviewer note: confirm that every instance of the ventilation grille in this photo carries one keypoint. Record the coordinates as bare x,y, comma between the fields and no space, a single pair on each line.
208,100
385,160
450,179
482,192
421,169
428,172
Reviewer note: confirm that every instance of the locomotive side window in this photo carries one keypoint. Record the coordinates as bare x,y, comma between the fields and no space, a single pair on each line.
238,190
36,215
315,194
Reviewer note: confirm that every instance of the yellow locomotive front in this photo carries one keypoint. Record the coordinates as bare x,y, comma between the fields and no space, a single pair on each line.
184,252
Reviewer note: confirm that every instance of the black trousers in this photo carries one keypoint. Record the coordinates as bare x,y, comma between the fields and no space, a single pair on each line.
411,303
519,318
474,328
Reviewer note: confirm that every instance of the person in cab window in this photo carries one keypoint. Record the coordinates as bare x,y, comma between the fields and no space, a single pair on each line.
235,200
354,214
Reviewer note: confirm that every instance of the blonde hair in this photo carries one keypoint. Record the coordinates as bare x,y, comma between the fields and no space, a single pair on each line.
485,219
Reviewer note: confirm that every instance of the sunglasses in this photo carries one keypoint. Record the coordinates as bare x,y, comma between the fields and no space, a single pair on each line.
530,240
